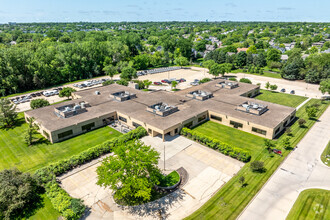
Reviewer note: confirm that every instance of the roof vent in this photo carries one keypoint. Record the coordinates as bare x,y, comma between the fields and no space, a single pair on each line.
97,93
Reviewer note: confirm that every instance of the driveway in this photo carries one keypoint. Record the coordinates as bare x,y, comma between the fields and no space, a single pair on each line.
301,170
207,171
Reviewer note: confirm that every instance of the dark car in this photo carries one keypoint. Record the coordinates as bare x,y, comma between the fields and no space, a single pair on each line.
182,80
157,83
33,95
282,90
292,92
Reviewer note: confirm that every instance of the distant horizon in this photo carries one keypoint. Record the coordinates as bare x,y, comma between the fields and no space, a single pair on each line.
60,11
165,21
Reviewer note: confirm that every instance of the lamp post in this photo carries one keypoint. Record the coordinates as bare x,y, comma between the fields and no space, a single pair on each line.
164,156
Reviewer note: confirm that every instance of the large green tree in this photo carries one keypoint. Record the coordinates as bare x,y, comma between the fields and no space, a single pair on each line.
18,191
128,73
8,114
273,55
325,86
66,92
131,172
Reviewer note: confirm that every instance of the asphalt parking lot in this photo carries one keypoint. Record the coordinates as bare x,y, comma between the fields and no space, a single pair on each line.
207,169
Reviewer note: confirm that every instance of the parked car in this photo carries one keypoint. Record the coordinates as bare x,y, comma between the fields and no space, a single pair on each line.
276,151
165,81
157,83
283,90
182,80
292,92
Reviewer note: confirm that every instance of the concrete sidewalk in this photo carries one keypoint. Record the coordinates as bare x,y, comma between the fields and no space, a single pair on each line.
302,169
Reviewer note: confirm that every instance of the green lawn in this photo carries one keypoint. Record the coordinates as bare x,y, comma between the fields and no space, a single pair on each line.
45,211
266,73
231,199
14,152
231,136
326,159
280,98
311,204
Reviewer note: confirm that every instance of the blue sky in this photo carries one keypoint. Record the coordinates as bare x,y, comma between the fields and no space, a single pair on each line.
163,10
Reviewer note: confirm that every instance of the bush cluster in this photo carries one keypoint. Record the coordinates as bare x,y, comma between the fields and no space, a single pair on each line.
226,149
71,208
204,80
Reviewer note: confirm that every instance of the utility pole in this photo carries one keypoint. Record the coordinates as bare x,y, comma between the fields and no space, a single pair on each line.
164,156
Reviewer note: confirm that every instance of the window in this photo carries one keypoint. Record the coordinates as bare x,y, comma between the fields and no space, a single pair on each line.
88,127
202,118
65,134
136,124
122,119
236,124
45,133
277,130
259,131
176,131
188,125
216,118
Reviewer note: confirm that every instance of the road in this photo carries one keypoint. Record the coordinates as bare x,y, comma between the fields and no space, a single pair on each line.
302,169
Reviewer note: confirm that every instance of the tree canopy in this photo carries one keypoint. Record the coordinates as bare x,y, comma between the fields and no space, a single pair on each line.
131,172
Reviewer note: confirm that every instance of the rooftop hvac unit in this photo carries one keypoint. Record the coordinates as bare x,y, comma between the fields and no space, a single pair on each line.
76,107
83,105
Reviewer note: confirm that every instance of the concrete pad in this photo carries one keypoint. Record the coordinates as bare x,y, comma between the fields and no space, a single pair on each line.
207,171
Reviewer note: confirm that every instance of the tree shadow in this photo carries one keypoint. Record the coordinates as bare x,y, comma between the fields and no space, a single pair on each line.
157,208
32,207
244,185
18,123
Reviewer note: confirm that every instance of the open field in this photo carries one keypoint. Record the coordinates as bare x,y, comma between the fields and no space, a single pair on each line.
14,152
325,157
311,204
231,199
280,98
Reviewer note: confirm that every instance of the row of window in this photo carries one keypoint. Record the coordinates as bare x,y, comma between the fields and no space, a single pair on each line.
239,125
260,131
88,127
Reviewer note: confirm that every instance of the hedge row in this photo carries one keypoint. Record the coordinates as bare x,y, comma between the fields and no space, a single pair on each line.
46,176
69,207
226,149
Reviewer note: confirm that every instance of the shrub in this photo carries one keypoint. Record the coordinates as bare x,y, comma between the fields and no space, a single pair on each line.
122,82
38,103
257,166
69,207
204,80
215,144
232,79
301,122
245,80
108,82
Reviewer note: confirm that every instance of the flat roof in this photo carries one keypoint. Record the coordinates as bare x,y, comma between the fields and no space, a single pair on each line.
224,102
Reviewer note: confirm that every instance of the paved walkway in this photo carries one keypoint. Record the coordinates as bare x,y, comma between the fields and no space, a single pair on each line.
303,103
207,170
302,169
